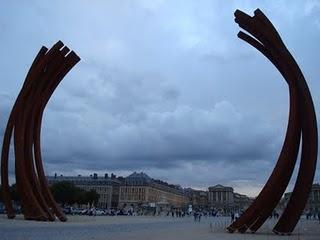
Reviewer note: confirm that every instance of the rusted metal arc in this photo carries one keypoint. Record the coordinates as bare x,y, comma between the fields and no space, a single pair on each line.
34,123
55,78
69,62
42,81
32,200
275,46
270,44
300,194
29,201
277,182
45,74
7,137
53,73
49,74
307,168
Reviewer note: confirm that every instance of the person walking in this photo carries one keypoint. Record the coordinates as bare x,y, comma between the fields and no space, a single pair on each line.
236,216
195,216
232,216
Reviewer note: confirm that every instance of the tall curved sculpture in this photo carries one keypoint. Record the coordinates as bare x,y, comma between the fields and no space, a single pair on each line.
45,74
302,121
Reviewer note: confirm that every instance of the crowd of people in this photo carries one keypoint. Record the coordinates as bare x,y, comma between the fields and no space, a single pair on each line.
313,215
176,213
275,215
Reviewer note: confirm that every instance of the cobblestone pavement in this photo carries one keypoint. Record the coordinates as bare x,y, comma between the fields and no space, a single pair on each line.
141,227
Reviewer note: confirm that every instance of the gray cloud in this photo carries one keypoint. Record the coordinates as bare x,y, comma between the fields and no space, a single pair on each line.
184,134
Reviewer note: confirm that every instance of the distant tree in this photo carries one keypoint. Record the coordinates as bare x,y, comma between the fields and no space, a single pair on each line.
65,192
81,197
92,197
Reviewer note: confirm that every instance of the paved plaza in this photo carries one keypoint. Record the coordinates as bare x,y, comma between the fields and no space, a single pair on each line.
141,227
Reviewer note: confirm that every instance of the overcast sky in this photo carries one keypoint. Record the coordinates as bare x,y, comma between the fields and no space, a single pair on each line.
163,87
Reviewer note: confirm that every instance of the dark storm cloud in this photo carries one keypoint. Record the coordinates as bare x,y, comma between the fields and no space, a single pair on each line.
163,87
125,123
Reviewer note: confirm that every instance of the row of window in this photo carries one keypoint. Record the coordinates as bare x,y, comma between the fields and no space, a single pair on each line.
84,182
154,195
98,189
132,190
132,197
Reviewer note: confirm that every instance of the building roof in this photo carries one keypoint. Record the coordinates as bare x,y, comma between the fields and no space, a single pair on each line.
142,179
84,180
138,179
140,175
220,187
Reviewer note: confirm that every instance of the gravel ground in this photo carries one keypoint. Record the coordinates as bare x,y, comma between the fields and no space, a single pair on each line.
141,227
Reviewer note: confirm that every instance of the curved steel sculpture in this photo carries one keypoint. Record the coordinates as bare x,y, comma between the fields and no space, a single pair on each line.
45,74
302,121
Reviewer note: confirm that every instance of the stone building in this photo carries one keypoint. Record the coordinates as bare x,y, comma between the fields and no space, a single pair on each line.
197,198
107,187
313,204
221,198
225,200
241,202
141,190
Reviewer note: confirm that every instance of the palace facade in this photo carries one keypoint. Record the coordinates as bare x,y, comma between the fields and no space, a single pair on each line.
139,189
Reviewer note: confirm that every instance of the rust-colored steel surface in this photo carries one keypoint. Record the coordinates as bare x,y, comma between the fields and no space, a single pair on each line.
45,74
302,121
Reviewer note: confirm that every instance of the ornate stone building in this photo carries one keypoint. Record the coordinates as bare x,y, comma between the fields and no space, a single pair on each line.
221,198
225,200
107,187
141,190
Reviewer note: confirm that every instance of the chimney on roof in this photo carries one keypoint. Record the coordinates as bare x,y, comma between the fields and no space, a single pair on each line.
113,176
55,175
95,176
106,175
